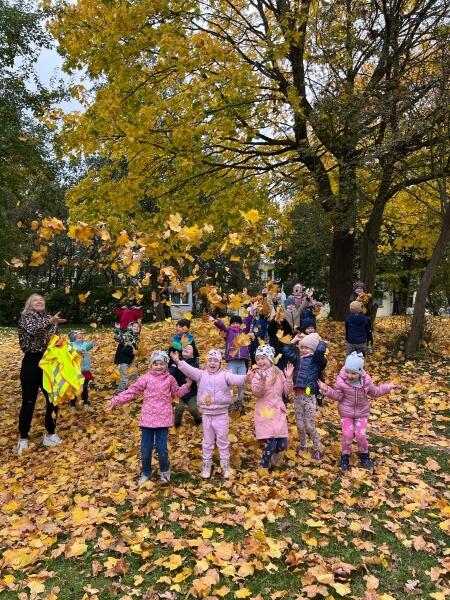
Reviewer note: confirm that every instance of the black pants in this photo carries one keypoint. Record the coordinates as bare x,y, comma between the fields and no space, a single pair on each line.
31,380
84,394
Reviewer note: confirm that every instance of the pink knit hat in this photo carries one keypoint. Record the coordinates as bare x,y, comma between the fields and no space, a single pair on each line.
311,341
214,353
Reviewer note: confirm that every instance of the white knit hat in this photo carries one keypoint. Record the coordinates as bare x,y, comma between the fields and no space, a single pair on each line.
159,355
214,353
266,351
355,362
310,341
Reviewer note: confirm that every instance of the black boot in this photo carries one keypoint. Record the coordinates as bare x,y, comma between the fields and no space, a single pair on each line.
345,462
366,463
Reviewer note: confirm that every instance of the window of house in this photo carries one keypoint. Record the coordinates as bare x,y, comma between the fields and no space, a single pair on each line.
179,298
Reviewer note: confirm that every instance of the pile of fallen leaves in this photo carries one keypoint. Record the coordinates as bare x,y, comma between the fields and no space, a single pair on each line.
304,531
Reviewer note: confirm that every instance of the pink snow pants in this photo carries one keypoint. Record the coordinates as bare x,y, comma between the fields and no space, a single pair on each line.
354,428
215,431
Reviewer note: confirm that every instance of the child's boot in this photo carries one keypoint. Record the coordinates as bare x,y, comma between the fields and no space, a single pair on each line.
345,462
206,468
165,476
225,466
366,463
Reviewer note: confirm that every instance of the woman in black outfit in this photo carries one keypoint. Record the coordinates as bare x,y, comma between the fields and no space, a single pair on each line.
36,327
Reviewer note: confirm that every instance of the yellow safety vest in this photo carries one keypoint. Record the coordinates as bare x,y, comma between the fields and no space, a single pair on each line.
61,365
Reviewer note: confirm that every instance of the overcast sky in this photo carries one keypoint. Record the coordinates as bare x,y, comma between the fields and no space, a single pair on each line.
48,68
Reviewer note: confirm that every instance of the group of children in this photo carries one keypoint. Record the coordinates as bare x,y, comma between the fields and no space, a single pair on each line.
296,365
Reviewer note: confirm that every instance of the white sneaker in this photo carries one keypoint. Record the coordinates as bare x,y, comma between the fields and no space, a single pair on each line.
22,445
206,469
143,479
225,466
51,440
165,476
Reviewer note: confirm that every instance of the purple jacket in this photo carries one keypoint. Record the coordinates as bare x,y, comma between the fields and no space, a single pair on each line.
213,392
230,350
354,402
158,391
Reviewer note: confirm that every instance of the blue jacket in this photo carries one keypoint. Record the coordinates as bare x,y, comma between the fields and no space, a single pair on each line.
83,349
357,328
308,369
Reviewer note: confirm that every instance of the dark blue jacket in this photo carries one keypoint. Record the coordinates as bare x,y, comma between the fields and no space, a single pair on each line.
357,328
308,369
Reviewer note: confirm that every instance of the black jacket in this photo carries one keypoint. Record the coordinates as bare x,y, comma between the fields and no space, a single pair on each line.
181,377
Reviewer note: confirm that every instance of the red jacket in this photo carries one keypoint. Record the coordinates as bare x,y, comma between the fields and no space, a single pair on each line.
126,315
353,401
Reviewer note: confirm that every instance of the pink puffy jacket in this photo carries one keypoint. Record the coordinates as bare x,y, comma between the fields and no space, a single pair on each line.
353,401
159,391
213,393
270,410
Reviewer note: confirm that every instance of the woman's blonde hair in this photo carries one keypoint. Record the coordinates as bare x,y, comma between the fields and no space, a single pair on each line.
27,306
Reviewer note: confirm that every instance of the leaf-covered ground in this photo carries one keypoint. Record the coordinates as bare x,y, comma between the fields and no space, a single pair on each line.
75,524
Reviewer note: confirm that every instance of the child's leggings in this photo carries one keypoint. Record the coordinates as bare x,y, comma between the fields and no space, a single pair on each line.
238,367
215,431
354,428
305,413
154,437
84,394
273,446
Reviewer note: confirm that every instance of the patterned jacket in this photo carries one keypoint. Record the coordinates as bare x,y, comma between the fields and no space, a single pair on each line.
158,391
35,331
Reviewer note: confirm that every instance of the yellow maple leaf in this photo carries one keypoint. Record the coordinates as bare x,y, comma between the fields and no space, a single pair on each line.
83,297
38,257
207,533
193,235
134,268
242,593
173,562
266,412
122,238
252,216
174,222
75,547
117,295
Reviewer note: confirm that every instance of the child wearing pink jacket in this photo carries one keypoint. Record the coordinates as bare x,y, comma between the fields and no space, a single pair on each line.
353,390
213,398
269,384
159,388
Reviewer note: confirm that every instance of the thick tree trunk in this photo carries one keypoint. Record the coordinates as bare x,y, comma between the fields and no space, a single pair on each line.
369,244
418,320
341,273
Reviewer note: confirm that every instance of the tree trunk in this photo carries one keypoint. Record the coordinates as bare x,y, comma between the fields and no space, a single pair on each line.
341,273
369,244
418,320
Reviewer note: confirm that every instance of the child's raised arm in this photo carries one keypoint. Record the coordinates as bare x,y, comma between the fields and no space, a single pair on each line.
374,391
179,391
188,370
334,393
129,394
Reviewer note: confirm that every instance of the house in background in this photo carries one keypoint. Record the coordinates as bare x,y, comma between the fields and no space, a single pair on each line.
385,303
266,270
181,299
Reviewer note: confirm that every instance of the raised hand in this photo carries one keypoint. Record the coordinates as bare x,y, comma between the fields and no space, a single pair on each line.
56,319
109,406
323,387
289,370
175,357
